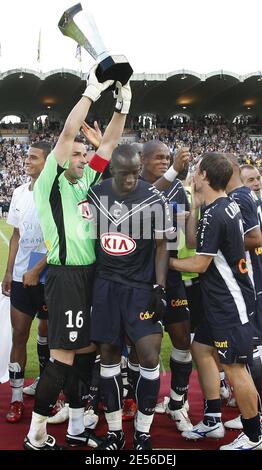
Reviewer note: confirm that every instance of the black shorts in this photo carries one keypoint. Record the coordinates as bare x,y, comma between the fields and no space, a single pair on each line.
118,310
177,310
195,302
29,300
233,345
256,322
68,292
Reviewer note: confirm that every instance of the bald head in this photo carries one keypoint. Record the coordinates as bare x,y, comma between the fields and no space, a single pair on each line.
151,146
122,154
155,160
125,168
138,146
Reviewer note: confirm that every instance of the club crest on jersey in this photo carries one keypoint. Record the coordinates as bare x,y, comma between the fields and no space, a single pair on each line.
117,244
117,213
73,336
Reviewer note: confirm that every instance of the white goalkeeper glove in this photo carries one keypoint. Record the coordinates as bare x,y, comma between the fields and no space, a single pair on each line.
123,97
93,87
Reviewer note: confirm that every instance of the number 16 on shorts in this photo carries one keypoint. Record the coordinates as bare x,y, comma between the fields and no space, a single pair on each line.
74,321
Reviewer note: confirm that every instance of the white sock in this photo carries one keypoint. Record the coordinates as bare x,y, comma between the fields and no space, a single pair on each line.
114,420
16,384
222,375
37,433
143,422
76,421
17,389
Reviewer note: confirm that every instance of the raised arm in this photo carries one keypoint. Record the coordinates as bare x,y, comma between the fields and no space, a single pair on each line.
92,134
192,221
115,128
181,159
63,148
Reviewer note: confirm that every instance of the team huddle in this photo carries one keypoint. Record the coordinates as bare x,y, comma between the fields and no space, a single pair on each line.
124,257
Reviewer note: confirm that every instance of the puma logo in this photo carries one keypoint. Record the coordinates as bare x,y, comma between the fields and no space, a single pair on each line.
222,353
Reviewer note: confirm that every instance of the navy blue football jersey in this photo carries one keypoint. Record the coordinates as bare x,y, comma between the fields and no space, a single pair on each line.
250,210
176,194
127,228
259,210
228,294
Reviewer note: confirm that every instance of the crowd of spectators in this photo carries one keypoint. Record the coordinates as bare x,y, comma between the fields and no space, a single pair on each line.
209,134
12,174
206,134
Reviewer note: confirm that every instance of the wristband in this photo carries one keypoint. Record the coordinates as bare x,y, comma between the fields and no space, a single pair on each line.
170,174
98,163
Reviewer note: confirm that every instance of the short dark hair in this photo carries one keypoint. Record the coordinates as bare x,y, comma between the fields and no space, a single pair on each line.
150,146
43,145
218,168
79,139
123,151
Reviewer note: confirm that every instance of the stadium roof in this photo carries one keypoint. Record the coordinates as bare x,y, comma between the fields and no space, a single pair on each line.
30,93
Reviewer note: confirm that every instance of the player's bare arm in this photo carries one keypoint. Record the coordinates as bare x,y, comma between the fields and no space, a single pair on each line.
92,134
253,239
196,264
181,159
63,148
116,126
31,278
13,247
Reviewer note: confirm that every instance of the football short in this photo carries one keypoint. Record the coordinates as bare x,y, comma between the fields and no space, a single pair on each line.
195,302
68,293
233,345
256,322
177,310
29,300
119,310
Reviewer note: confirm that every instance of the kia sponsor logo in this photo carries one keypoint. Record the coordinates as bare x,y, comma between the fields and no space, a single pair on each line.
117,244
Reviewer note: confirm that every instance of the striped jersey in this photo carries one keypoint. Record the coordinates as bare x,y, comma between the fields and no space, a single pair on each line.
126,229
250,210
228,295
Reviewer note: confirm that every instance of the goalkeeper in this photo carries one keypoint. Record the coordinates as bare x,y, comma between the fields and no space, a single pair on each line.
60,197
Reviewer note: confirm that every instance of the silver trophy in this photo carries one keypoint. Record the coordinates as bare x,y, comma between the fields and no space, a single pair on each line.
81,27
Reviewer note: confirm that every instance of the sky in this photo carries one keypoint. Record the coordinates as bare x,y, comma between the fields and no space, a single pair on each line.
156,36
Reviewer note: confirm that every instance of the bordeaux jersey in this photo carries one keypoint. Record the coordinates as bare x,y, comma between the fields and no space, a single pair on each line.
177,196
259,210
126,231
250,210
227,290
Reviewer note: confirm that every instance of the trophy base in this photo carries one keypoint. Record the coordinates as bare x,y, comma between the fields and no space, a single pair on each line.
114,68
